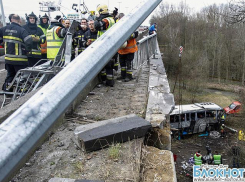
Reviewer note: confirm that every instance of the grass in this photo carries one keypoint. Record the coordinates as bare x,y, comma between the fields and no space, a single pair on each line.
114,151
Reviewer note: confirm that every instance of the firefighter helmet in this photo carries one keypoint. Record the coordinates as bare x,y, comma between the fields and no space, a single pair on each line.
44,16
102,9
31,15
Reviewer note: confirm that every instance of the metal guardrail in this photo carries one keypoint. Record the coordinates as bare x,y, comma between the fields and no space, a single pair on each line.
24,128
146,48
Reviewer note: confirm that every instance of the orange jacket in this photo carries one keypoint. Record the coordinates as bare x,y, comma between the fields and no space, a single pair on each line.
130,48
44,48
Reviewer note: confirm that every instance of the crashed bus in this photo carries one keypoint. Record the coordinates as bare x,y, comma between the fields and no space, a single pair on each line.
195,118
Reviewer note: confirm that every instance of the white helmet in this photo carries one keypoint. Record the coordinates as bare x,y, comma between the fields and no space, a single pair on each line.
124,45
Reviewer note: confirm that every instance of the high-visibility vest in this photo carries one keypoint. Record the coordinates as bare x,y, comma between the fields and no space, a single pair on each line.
53,43
241,135
217,159
130,48
43,29
198,160
111,23
43,46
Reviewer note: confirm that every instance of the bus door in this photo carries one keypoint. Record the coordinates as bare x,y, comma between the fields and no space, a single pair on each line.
193,122
174,121
200,125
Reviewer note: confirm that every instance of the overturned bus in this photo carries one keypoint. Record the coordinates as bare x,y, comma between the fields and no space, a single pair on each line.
196,118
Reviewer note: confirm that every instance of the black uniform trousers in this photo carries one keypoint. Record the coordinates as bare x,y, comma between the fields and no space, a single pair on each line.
11,72
126,65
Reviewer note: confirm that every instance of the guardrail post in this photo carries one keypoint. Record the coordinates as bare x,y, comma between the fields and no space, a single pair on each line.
154,46
147,50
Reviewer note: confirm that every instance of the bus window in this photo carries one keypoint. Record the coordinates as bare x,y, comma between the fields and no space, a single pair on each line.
172,119
187,117
176,118
182,116
200,114
193,116
210,114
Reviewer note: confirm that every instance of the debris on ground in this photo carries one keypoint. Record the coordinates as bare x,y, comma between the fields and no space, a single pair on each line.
214,134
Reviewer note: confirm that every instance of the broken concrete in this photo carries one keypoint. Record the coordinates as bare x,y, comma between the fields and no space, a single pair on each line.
162,169
102,134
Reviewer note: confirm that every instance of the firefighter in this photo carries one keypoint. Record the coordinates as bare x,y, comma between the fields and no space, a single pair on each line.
17,43
38,38
91,35
217,158
55,35
102,24
79,36
44,24
222,118
126,56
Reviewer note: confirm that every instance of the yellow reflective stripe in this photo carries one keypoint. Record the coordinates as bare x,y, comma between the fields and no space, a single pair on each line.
12,38
16,49
133,46
16,59
36,53
129,72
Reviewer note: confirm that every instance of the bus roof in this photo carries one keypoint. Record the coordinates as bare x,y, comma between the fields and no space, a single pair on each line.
195,107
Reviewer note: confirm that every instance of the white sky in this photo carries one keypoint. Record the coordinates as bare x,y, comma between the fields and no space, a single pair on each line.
26,6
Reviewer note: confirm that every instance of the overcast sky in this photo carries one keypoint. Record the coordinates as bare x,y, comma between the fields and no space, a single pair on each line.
26,6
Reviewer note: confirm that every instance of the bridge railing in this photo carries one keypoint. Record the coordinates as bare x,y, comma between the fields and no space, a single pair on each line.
21,132
146,48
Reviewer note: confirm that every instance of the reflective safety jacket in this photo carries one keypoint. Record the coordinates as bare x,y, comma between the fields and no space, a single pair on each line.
44,45
53,43
17,43
217,159
131,45
130,48
109,22
198,160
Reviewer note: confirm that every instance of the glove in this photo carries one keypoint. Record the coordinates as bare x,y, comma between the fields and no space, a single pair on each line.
98,25
134,35
42,39
115,12
35,39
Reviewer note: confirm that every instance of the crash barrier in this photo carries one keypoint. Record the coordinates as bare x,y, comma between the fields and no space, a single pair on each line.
21,132
146,48
31,78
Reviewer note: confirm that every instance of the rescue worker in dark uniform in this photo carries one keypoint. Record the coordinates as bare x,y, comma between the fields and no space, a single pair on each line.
126,56
79,36
38,38
102,24
17,43
44,24
55,35
91,35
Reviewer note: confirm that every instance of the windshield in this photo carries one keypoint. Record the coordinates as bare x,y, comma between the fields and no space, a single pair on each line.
232,106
